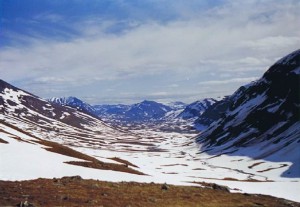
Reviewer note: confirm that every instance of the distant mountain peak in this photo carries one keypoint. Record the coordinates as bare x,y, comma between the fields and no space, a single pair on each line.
73,102
195,109
147,102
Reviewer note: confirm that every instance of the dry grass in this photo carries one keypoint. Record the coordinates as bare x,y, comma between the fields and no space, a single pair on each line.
234,179
89,161
3,141
272,168
117,159
74,191
255,164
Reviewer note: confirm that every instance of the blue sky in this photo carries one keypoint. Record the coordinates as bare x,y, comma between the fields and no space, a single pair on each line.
125,51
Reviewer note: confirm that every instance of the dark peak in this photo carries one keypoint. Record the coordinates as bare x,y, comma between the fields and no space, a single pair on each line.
209,100
178,103
73,98
148,102
66,100
254,111
287,65
291,59
203,101
4,85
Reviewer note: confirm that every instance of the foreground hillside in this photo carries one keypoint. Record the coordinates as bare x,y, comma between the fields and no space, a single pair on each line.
74,191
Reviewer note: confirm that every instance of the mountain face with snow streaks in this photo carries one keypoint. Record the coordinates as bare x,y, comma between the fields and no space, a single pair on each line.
74,103
55,122
143,112
139,112
195,109
147,110
264,114
213,113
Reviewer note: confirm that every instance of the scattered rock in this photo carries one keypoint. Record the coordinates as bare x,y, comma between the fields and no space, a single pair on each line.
114,185
77,177
25,204
220,187
55,180
165,187
289,203
93,203
258,204
64,197
71,178
104,194
152,200
96,185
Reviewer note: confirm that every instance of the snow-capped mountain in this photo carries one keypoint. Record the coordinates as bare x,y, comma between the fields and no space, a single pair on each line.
176,105
113,109
54,122
147,110
263,116
212,113
195,109
74,103
143,111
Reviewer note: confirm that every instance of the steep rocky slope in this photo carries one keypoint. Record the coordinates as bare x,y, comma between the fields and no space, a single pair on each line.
74,103
55,122
213,113
195,109
262,119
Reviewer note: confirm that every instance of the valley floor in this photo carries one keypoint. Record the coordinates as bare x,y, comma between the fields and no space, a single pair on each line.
155,156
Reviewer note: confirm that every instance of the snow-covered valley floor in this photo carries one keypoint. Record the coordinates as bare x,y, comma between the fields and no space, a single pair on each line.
170,157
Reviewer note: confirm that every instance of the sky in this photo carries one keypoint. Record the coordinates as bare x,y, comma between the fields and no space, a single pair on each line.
126,51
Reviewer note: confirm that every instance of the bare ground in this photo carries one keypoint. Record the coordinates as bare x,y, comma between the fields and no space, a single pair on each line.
75,191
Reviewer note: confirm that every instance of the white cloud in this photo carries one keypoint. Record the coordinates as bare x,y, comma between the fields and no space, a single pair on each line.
240,36
173,85
228,81
267,43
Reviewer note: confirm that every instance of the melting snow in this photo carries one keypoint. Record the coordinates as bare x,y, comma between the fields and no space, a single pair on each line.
179,164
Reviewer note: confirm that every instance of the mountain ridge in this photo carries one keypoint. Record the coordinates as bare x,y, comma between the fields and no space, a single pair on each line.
262,116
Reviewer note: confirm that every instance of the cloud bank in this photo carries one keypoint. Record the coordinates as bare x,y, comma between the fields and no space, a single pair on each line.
104,58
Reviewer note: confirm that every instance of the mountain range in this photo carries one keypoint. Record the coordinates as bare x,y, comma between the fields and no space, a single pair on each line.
143,112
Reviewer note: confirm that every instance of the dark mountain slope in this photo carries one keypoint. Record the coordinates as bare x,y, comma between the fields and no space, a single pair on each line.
213,113
195,109
139,112
263,116
56,122
74,103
